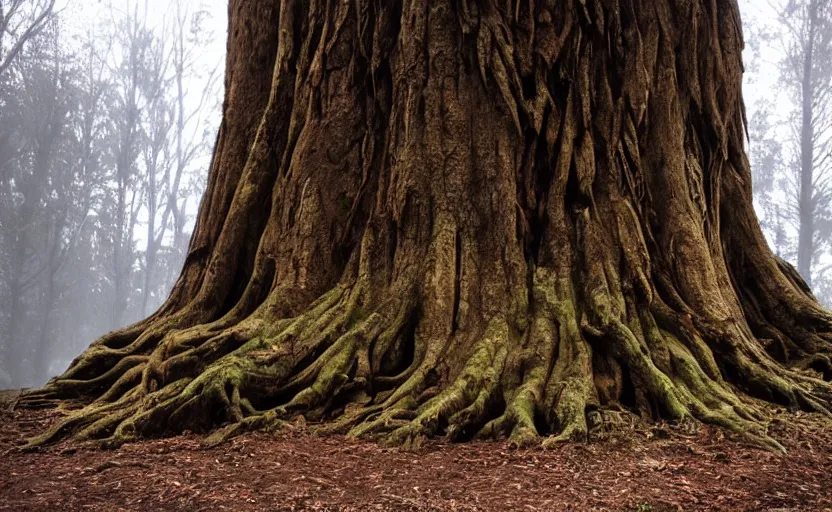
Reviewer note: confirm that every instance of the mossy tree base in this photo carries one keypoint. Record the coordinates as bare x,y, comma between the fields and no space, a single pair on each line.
468,217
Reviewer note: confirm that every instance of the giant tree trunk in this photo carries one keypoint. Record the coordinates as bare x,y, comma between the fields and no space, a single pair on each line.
469,217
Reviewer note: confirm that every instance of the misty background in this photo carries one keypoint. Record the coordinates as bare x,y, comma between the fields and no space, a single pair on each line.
108,116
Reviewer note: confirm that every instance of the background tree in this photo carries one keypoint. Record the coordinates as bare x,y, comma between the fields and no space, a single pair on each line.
808,62
5,308
175,140
37,116
138,75
20,21
789,131
469,217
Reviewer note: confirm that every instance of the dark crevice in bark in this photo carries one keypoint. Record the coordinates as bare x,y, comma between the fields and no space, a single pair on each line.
457,280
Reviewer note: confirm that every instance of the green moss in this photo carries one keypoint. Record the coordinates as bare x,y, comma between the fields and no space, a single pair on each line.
344,203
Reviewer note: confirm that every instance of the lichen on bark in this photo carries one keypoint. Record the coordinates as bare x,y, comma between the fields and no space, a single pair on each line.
468,217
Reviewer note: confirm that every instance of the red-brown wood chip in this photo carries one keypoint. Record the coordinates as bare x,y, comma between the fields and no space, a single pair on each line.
654,469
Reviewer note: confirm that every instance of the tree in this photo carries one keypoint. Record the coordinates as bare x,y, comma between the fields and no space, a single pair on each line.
5,307
72,181
135,84
468,217
34,218
808,66
173,144
790,136
766,148
20,21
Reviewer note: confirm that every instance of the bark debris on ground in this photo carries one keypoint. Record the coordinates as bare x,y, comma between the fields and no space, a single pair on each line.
659,468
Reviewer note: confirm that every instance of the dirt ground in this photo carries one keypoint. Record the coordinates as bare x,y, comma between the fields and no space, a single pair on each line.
655,469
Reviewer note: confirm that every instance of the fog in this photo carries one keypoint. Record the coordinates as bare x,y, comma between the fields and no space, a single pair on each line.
108,116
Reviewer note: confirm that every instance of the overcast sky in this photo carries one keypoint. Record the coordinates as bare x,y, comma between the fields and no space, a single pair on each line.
88,11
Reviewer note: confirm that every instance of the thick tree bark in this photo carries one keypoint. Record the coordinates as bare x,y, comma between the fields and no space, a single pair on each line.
469,217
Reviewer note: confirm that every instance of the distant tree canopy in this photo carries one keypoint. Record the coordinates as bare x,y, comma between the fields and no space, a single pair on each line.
469,217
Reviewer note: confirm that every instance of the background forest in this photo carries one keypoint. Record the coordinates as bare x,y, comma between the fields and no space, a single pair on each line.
108,115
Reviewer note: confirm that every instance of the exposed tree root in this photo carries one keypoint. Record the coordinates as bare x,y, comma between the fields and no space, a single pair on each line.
320,364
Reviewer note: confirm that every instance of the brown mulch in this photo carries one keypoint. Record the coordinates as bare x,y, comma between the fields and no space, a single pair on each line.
653,470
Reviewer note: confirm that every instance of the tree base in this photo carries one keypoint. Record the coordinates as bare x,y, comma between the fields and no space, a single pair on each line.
469,218
348,372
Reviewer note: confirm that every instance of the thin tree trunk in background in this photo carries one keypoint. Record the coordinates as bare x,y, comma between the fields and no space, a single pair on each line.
44,348
179,214
152,243
16,349
125,158
25,272
806,204
6,341
119,270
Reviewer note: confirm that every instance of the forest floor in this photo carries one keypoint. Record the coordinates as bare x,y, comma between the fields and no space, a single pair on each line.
650,470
